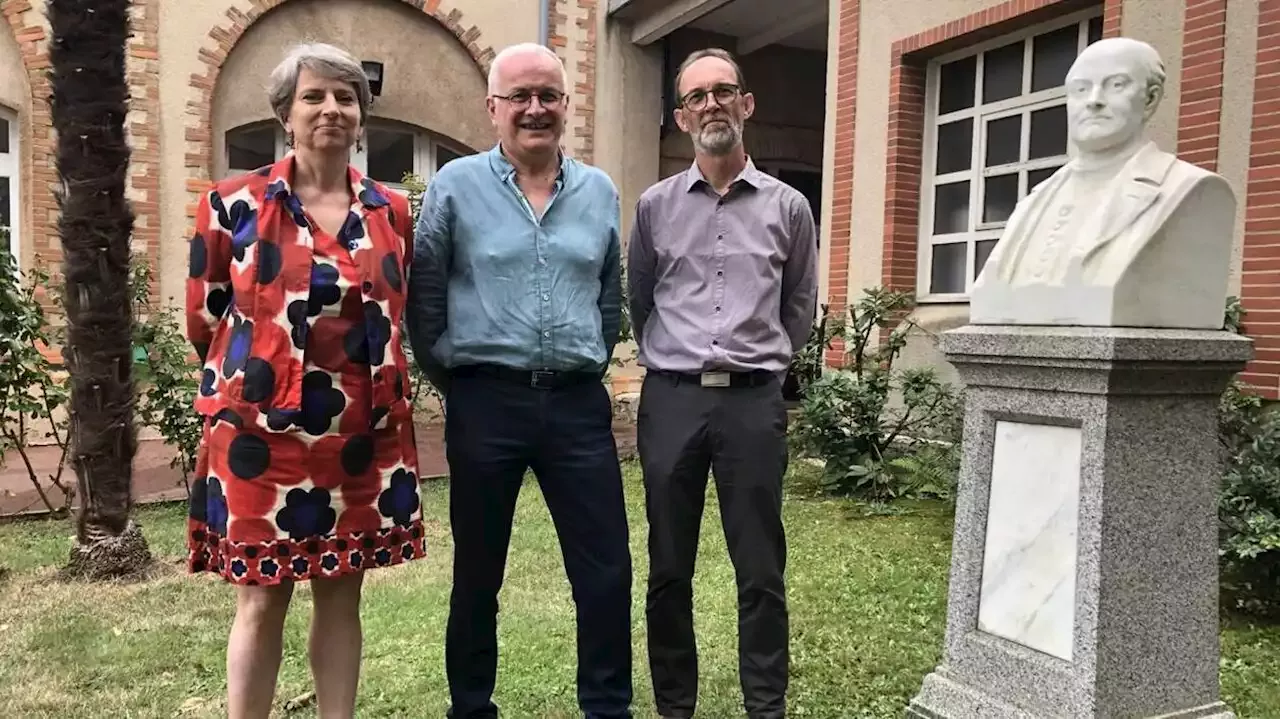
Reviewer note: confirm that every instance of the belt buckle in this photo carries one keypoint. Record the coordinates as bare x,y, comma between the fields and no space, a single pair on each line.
715,379
536,377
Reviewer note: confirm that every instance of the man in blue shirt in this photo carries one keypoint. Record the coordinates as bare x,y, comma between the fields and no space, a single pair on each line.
514,311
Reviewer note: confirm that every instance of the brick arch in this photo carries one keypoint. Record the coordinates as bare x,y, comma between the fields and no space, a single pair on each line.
199,160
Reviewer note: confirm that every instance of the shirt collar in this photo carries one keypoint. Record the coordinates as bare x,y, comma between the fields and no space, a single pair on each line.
749,175
505,170
280,180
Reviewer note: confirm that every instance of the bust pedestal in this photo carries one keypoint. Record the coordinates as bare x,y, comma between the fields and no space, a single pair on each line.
1084,574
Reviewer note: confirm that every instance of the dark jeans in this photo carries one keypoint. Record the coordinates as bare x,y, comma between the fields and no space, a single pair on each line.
495,430
739,433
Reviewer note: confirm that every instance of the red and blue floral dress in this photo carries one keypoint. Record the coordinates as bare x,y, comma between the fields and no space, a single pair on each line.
307,466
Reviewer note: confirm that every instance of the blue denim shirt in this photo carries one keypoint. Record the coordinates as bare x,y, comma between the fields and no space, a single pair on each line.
492,283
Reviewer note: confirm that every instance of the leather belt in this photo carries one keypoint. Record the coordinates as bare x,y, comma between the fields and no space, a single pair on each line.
538,379
753,378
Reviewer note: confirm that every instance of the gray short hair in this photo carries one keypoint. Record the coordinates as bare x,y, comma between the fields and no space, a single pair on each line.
325,60
715,52
524,48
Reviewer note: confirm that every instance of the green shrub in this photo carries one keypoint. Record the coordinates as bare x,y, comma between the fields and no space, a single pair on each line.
1249,503
32,399
167,375
881,432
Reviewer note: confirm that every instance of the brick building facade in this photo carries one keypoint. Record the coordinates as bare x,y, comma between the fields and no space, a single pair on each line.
856,97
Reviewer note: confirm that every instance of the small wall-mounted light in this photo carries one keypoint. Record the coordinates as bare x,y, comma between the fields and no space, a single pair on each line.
373,71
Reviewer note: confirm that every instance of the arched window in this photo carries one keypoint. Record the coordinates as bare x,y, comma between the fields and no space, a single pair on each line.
9,184
392,150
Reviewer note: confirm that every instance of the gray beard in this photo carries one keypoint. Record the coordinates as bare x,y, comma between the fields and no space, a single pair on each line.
717,142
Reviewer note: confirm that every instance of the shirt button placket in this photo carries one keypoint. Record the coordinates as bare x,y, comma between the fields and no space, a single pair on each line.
717,322
541,288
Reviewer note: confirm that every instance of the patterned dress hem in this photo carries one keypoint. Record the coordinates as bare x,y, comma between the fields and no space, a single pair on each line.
274,562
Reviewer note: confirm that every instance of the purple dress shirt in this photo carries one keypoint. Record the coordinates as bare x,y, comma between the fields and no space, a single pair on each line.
722,282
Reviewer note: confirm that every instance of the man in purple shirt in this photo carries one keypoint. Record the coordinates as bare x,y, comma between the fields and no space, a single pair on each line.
723,283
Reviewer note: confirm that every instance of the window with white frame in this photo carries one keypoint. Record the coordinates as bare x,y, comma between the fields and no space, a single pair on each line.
996,126
391,150
9,185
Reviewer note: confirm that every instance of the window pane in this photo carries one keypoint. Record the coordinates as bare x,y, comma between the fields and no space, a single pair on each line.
1002,73
1035,177
956,83
1048,132
251,149
6,220
951,208
1000,194
1094,32
4,136
444,156
1004,141
955,146
981,252
390,154
946,271
1051,56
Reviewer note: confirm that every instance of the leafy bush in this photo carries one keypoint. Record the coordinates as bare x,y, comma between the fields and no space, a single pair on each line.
1249,503
31,397
809,361
883,433
167,376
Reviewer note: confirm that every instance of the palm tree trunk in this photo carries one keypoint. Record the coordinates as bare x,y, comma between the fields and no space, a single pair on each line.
89,100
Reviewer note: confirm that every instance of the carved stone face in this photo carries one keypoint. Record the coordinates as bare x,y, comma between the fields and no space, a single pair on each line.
1110,94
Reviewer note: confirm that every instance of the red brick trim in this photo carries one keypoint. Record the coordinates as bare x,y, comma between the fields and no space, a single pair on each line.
1204,44
579,59
144,131
585,87
1260,280
38,177
557,21
906,114
199,158
840,238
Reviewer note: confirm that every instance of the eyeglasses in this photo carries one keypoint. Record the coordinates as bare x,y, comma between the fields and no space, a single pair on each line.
697,100
521,99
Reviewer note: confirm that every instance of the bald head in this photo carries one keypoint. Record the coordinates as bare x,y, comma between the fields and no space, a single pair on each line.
1134,56
517,58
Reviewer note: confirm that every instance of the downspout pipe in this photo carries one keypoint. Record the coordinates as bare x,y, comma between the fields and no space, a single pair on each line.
544,22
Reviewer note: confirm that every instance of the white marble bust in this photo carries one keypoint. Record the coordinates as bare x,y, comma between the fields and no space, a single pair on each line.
1124,235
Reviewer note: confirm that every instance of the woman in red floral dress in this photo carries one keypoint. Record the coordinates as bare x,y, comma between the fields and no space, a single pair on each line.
307,468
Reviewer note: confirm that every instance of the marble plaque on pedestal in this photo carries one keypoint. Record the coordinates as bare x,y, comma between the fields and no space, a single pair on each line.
1029,559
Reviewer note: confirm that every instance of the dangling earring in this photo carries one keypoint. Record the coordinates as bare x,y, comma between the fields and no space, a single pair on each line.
360,144
288,138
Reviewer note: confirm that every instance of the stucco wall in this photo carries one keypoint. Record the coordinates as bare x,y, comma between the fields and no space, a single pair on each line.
13,74
628,108
880,27
1237,114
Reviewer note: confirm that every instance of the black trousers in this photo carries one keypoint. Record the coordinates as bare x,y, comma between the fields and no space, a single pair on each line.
739,433
495,430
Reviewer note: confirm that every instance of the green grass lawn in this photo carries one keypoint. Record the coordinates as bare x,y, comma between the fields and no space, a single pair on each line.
868,599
